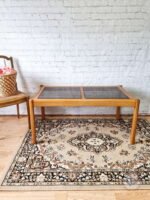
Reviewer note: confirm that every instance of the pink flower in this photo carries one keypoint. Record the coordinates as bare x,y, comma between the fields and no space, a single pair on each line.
5,70
1,71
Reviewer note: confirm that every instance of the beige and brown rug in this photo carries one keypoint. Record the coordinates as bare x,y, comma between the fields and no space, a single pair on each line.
82,154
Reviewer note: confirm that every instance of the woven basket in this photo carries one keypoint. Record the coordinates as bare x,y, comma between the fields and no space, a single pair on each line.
8,84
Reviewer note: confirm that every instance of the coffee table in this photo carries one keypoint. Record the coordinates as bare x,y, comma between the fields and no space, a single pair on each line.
109,96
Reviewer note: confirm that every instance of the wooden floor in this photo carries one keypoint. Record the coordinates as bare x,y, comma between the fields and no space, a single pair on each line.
12,130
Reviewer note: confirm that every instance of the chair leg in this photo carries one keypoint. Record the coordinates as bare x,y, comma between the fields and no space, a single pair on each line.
18,113
28,113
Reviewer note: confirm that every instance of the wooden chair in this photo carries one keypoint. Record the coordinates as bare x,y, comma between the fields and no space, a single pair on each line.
20,97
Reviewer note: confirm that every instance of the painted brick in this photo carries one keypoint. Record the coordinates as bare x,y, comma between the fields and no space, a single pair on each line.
78,42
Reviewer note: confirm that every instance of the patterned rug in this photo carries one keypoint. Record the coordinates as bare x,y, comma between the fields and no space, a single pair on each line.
82,152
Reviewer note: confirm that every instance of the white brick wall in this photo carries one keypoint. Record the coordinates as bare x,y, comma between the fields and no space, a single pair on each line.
78,42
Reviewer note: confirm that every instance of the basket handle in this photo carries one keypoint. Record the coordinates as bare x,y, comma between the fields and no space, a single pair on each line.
7,58
4,62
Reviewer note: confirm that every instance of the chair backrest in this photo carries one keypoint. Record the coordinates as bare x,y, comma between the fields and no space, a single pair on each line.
9,59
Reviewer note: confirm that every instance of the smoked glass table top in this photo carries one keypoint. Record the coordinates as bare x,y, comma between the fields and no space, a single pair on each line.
82,92
103,93
60,93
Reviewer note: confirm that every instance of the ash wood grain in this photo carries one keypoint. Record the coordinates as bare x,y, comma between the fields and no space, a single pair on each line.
134,122
32,121
85,102
82,93
43,113
118,116
82,101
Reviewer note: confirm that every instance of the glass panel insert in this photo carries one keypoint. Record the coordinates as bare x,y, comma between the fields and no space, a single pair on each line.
60,93
103,93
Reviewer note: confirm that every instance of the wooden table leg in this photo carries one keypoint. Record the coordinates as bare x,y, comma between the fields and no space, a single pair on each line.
134,122
118,113
32,121
43,112
28,112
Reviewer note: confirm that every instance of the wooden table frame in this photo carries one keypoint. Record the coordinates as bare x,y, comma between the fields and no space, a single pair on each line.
130,102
